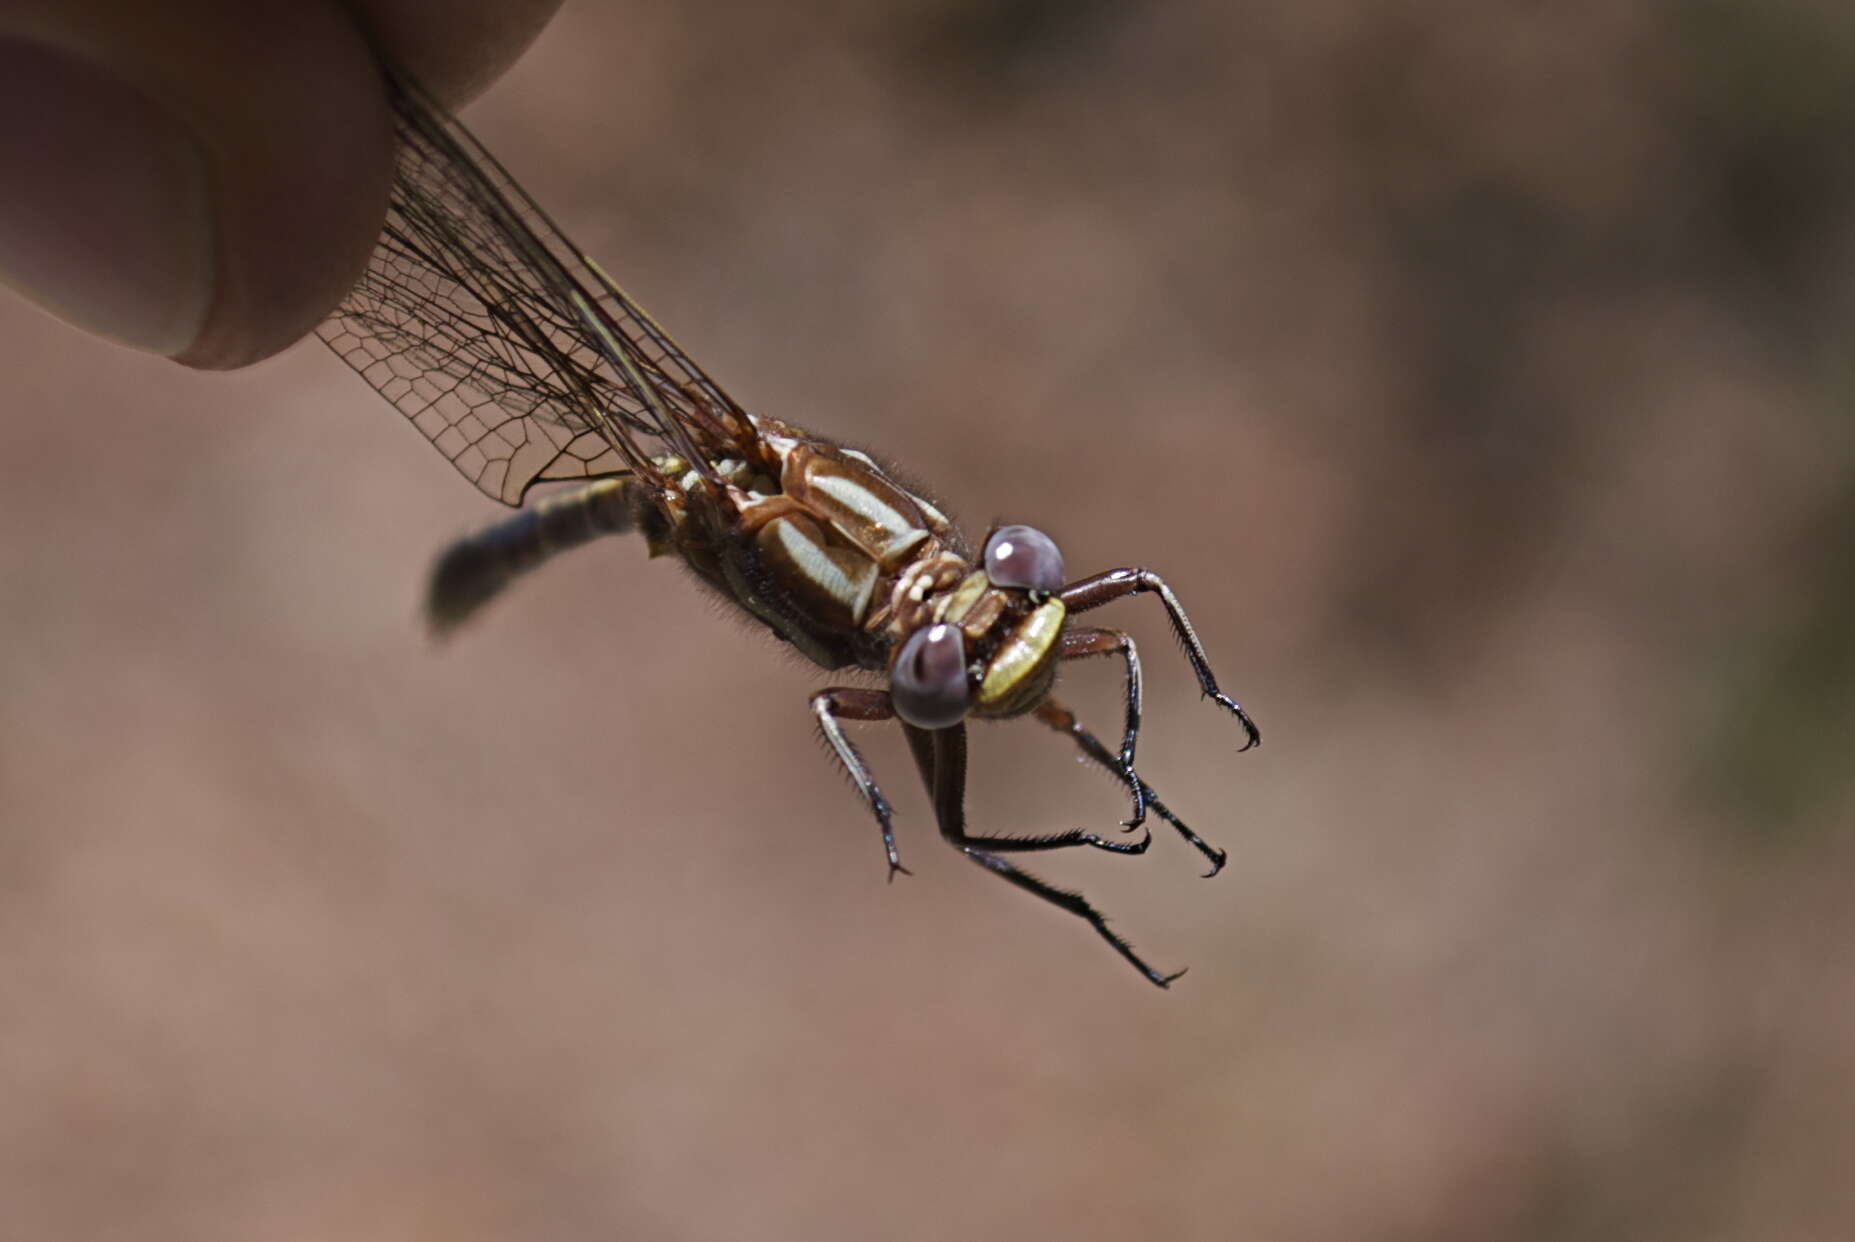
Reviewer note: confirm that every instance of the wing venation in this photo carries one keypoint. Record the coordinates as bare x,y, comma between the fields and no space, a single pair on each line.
508,349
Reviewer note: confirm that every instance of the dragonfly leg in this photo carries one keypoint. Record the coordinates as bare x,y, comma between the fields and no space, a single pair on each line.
1082,643
831,708
1064,721
1116,584
940,754
950,807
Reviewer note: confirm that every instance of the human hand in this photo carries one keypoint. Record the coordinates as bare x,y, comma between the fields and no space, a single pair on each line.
205,179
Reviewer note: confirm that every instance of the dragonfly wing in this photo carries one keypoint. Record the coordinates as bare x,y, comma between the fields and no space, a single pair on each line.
490,331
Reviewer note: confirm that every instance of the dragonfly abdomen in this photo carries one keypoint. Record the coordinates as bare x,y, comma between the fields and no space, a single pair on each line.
476,568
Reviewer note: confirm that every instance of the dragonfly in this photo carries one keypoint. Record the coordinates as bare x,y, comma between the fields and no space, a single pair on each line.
525,364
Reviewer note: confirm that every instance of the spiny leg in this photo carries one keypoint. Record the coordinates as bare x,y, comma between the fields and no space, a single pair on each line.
833,706
1105,588
925,763
940,754
1080,644
1064,721
838,704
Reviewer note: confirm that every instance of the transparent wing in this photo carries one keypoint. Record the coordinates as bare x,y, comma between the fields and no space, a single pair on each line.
502,343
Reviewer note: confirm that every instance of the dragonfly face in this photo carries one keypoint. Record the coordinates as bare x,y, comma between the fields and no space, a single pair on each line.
522,361
1006,616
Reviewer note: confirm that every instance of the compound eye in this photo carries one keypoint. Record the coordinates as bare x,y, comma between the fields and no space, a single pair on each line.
928,684
1023,556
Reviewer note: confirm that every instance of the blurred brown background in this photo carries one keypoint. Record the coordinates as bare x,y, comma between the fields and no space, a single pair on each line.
1479,375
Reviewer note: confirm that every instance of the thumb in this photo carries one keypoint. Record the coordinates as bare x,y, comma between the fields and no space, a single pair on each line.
200,178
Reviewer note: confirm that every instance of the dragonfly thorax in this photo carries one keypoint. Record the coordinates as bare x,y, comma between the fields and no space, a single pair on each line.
807,535
852,568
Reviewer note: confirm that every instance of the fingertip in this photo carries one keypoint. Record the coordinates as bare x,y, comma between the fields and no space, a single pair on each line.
454,47
219,187
302,159
202,179
105,221
307,169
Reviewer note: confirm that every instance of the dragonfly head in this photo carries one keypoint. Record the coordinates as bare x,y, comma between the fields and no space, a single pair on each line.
992,649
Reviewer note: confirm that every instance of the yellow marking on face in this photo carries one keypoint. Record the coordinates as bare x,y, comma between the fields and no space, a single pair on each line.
1022,654
954,607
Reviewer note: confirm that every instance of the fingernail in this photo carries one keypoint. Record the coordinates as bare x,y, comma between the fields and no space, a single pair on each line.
104,219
